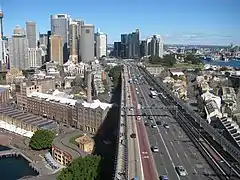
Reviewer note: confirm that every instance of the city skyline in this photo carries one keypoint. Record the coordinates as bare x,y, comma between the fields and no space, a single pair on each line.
198,22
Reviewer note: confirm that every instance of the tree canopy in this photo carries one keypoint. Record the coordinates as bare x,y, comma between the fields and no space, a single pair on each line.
41,139
115,73
167,60
190,58
87,168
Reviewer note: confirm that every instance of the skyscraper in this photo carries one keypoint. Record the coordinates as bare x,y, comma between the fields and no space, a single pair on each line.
56,53
1,40
101,44
73,40
156,46
31,34
59,26
124,46
34,57
43,39
18,49
134,44
87,43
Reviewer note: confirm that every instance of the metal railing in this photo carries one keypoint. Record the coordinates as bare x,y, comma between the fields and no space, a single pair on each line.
226,145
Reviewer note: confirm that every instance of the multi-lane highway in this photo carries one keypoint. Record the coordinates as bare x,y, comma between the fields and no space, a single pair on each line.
174,145
146,158
134,157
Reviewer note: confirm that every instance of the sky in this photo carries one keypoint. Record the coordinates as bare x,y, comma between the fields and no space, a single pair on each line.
209,22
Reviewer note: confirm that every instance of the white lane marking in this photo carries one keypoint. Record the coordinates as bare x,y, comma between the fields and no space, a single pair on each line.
186,155
177,155
160,135
171,143
178,143
166,170
195,171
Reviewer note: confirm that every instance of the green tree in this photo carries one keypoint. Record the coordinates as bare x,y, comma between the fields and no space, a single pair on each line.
169,60
190,58
155,60
86,168
115,73
42,139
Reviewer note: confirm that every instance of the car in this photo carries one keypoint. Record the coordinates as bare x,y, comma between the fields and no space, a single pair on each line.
147,124
158,122
154,125
163,177
166,126
150,117
181,171
131,108
144,114
154,149
133,135
138,117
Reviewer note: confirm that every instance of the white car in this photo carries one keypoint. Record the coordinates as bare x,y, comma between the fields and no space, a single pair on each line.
154,126
154,149
166,126
181,170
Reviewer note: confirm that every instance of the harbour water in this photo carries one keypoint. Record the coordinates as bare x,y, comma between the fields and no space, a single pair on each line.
231,63
12,167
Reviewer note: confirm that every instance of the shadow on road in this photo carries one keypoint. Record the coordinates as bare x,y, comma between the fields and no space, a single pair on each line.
105,139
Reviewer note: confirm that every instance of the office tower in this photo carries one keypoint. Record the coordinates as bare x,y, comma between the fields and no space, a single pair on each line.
117,49
73,40
49,33
101,44
59,26
56,52
80,23
133,45
156,46
1,40
31,34
124,46
43,39
87,43
34,57
143,48
18,49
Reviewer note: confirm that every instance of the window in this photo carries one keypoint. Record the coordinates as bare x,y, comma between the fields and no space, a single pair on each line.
87,31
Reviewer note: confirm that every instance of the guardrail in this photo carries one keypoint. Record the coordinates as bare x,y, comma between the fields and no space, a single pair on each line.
226,145
121,159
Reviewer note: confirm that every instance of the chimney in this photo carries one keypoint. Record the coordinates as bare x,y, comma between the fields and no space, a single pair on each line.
89,86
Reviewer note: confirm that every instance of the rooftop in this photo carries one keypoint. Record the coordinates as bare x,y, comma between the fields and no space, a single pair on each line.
64,100
85,139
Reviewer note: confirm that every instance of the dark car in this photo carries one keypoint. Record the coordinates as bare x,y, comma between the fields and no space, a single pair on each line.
147,124
158,123
150,117
133,135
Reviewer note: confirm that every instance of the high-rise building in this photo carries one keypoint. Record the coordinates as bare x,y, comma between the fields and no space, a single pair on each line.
134,44
117,49
124,46
31,34
18,49
87,43
80,23
43,39
101,44
143,48
73,39
59,26
34,57
1,40
156,46
56,53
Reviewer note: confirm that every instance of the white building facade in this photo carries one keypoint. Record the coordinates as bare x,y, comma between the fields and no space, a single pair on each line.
34,57
101,44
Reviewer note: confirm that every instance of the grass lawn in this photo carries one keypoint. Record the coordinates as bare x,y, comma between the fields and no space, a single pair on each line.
72,139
